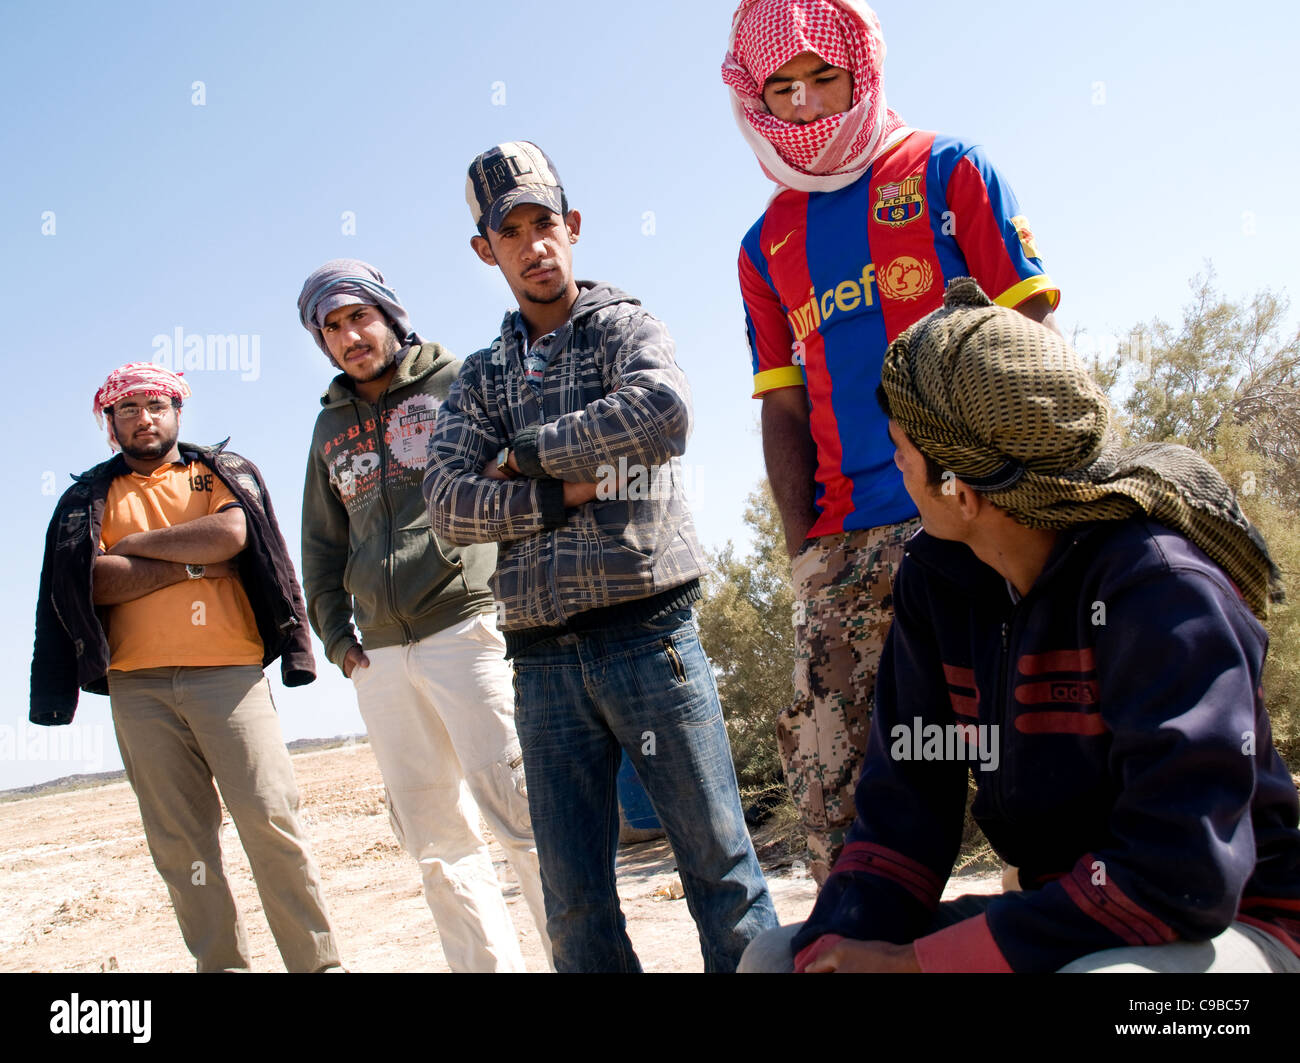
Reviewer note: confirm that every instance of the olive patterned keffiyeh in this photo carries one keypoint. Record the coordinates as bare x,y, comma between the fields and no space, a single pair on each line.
1013,411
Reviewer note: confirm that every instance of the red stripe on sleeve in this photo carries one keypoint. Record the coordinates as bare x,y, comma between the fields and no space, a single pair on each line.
978,234
964,946
916,878
808,953
1109,906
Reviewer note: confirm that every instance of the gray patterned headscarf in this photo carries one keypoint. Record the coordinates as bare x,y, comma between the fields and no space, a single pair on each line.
346,282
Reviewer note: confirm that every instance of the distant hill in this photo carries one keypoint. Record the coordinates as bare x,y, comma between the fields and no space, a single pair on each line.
104,778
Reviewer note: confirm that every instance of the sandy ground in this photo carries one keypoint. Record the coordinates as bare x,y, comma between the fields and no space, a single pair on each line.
78,891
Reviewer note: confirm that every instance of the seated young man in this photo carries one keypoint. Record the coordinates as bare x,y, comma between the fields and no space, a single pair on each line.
1074,626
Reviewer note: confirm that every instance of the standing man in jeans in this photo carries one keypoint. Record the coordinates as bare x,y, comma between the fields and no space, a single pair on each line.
432,683
546,445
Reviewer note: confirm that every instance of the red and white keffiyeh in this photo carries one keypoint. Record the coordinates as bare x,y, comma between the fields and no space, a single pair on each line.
831,152
136,378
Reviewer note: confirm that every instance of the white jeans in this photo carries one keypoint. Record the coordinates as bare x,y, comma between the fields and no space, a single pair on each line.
440,714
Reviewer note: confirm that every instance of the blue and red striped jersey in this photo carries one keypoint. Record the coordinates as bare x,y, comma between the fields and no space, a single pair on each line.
830,278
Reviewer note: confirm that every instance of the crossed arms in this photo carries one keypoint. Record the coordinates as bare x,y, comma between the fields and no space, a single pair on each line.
143,562
643,417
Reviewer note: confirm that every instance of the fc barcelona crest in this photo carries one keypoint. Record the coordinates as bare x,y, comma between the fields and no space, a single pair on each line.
897,204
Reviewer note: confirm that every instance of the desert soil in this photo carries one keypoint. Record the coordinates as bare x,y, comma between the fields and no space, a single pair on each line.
78,890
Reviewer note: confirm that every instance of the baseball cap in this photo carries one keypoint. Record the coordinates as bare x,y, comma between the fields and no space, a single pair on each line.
507,175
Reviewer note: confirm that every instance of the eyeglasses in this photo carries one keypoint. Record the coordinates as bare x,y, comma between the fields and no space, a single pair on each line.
130,411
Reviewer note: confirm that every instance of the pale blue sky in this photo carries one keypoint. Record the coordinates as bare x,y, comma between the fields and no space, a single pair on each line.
1140,138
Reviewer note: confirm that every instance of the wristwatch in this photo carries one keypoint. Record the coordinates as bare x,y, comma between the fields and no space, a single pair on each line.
503,456
194,571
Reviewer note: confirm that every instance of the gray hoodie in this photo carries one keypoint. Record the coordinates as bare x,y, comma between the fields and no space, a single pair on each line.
367,549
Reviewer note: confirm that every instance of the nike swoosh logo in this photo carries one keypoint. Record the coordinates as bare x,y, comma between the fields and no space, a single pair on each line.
777,247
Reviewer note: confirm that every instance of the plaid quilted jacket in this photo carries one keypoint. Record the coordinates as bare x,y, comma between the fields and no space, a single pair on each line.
613,406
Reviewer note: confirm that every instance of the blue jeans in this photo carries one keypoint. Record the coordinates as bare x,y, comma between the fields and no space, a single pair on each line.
649,689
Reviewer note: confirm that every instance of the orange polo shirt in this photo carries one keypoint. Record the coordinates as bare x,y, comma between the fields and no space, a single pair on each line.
196,623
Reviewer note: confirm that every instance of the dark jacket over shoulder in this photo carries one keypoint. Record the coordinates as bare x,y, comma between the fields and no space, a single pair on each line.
71,650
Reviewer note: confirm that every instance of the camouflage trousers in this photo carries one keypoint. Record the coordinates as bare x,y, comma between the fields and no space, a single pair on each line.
843,588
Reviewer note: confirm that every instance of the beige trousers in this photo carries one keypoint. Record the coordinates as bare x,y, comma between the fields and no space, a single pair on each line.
178,729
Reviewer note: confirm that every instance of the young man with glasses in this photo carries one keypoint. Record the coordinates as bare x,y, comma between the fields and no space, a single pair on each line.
167,585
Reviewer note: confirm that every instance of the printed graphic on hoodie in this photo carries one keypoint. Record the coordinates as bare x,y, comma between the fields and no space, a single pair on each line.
353,462
407,427
353,457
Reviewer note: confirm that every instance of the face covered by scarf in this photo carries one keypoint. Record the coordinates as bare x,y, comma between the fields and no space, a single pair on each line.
831,152
350,282
1008,406
136,378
